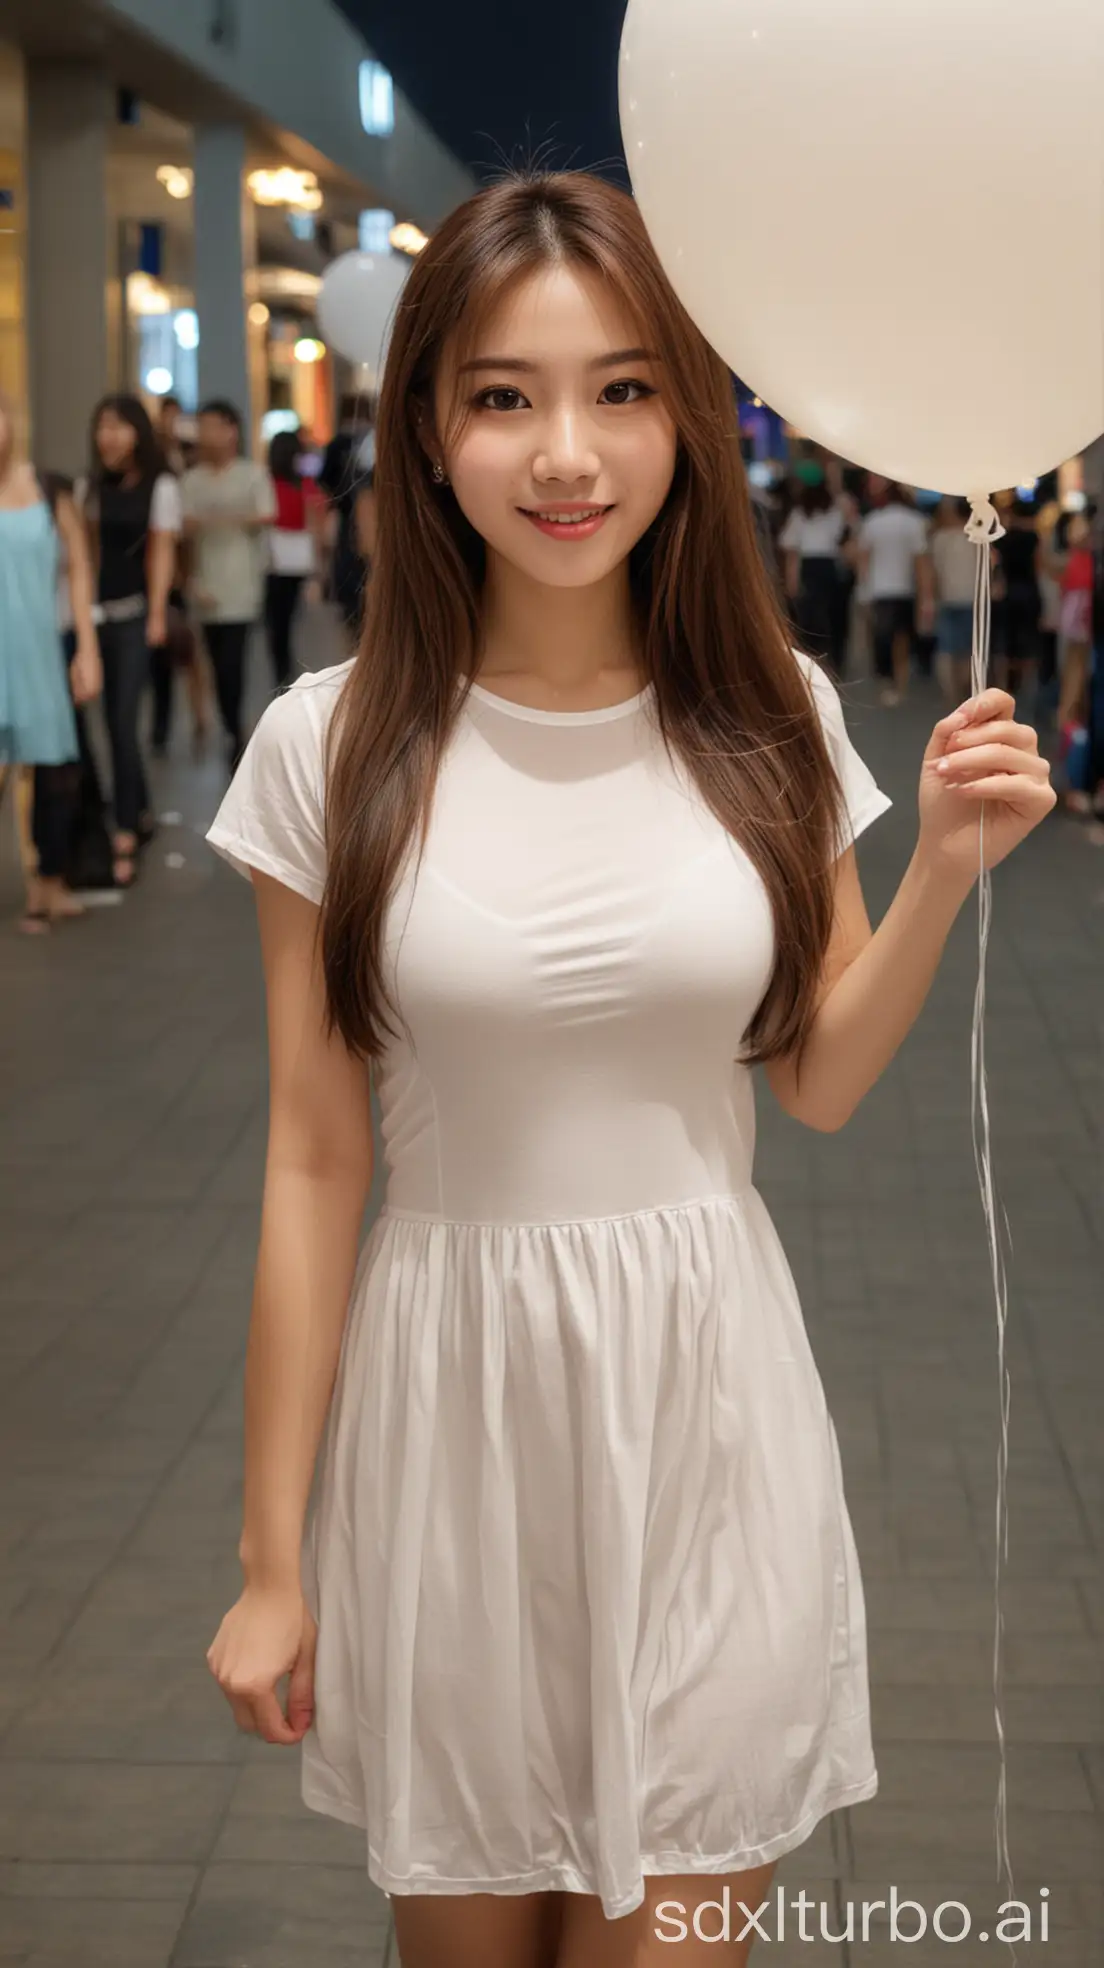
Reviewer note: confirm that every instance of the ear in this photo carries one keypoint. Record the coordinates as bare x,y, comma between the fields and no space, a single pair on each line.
426,434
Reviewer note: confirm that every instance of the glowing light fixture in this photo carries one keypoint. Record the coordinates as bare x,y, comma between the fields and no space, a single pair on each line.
374,229
408,239
177,179
308,350
298,190
147,296
258,314
186,328
159,381
377,99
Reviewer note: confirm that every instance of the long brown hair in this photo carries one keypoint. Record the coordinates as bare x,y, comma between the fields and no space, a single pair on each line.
730,699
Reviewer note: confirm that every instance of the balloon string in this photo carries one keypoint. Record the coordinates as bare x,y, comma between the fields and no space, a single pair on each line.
984,528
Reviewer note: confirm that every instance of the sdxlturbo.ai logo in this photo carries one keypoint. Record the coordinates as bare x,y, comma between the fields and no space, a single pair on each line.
906,1920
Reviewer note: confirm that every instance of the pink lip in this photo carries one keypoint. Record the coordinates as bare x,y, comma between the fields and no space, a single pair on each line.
584,529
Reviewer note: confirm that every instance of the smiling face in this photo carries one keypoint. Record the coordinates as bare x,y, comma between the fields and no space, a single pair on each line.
563,416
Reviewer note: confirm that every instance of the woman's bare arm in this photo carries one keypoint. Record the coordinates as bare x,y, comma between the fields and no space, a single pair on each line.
162,566
318,1173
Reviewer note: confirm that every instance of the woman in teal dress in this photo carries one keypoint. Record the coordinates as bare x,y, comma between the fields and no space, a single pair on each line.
37,725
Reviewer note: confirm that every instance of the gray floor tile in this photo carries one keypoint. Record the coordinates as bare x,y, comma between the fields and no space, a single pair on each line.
283,1916
115,1812
91,1933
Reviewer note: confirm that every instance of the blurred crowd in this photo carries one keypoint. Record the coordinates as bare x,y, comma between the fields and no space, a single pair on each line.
880,580
140,585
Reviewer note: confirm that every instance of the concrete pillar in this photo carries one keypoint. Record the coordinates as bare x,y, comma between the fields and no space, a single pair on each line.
223,248
69,112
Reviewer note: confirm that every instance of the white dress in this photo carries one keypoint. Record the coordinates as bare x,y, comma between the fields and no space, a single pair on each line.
588,1598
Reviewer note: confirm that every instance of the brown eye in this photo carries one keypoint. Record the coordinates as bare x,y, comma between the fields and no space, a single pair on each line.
484,399
642,390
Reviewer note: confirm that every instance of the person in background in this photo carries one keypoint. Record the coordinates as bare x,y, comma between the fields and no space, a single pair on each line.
954,573
229,504
131,505
293,545
347,479
1016,614
39,524
1077,579
1051,529
847,564
179,653
811,541
169,415
895,568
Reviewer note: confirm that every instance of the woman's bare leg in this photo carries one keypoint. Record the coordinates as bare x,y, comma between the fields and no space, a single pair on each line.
644,1939
1075,671
477,1930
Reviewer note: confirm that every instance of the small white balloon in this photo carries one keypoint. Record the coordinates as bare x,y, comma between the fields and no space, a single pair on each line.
886,216
356,305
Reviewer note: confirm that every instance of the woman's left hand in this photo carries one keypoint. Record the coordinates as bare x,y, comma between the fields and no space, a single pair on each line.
980,756
86,674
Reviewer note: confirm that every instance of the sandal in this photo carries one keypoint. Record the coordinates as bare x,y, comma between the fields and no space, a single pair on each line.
35,922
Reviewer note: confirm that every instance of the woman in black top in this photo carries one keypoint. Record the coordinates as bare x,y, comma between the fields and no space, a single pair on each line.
1018,609
132,505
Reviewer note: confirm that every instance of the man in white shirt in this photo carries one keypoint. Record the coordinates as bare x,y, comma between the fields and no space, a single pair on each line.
895,569
229,503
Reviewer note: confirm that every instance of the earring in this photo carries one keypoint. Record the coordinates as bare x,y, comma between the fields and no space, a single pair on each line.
440,476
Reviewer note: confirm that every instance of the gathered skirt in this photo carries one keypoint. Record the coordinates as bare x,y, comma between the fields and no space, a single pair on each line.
588,1598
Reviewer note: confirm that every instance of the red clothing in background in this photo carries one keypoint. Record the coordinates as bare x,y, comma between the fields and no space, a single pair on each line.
1078,573
291,504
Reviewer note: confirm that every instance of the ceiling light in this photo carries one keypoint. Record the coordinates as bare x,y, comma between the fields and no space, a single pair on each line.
308,350
297,189
258,314
147,296
408,239
159,381
177,179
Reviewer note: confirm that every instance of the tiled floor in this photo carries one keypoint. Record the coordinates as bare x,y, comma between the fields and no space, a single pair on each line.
137,1830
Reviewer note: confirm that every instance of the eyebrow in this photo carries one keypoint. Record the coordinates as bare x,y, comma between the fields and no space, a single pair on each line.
520,368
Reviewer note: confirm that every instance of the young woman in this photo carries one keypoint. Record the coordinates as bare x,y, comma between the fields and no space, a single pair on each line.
811,542
39,676
577,1630
292,548
132,507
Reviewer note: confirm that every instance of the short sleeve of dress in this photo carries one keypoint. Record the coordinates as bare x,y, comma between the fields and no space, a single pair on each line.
273,815
864,800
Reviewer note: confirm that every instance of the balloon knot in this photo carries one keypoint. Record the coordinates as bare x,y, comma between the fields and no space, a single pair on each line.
984,522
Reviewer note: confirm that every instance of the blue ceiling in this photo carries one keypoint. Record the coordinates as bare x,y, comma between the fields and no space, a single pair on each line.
506,80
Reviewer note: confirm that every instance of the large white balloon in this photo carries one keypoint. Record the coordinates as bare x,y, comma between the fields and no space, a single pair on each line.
887,216
356,305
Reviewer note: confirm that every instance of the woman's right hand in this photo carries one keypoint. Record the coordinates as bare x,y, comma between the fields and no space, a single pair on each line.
268,1632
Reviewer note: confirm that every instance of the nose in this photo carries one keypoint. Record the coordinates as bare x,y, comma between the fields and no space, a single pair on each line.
567,452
